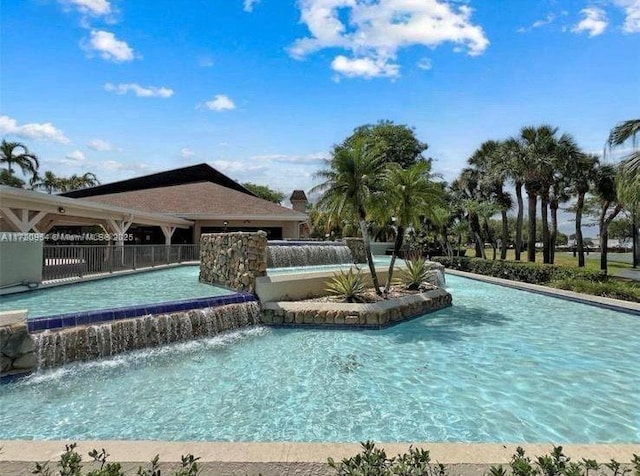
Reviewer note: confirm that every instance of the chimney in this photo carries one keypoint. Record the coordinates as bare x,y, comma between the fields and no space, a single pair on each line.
299,201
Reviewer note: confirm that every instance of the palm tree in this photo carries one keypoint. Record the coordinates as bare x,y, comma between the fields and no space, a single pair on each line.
349,182
607,192
408,195
48,181
539,145
622,133
466,193
511,163
15,153
631,174
581,174
76,182
567,153
488,159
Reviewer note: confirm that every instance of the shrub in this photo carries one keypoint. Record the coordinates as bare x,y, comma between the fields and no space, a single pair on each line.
534,273
611,289
417,272
70,465
348,285
374,461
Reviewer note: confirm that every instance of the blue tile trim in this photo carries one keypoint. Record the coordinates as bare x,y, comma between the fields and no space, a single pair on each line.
92,317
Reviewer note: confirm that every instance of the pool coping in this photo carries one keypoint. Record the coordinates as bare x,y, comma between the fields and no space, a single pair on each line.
598,301
273,458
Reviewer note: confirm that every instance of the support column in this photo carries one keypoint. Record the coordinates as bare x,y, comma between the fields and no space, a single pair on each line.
26,222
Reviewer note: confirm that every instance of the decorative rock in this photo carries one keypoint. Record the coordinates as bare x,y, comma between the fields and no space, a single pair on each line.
26,362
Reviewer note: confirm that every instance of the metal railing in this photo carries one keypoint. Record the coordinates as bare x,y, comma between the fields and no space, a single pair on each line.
77,261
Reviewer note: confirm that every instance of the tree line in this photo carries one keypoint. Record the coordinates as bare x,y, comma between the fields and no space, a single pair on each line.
16,155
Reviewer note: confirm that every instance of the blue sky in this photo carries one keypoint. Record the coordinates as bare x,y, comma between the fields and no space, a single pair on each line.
263,89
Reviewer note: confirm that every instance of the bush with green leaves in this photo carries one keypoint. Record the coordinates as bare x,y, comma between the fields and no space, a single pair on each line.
70,465
373,461
349,285
417,272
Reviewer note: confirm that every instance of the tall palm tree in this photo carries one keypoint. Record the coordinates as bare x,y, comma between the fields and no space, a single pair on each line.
466,194
567,153
488,159
581,176
349,182
539,146
408,195
511,162
610,206
16,153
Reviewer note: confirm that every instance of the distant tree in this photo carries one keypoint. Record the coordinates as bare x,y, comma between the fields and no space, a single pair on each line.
47,181
265,192
17,154
392,142
76,182
10,180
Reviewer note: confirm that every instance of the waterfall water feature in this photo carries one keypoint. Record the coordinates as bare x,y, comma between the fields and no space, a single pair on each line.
59,347
286,254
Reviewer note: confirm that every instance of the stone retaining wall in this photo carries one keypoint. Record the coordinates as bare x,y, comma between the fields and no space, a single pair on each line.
372,315
17,347
233,260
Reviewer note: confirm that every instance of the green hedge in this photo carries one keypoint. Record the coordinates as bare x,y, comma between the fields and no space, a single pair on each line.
533,273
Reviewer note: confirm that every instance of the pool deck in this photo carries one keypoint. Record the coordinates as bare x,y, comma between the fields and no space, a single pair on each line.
614,304
220,458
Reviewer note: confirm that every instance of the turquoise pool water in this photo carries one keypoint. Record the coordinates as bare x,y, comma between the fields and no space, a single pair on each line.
501,365
149,287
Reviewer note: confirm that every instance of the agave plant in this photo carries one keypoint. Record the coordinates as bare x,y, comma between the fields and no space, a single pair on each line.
417,272
348,285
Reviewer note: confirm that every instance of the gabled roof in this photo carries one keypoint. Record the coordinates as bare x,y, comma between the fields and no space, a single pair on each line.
202,200
184,175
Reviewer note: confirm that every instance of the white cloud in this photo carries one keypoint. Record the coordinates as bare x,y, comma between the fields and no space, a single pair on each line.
235,166
373,32
315,158
550,18
116,166
109,47
90,7
220,102
632,15
187,153
100,145
76,156
364,67
249,4
140,91
425,63
39,131
594,22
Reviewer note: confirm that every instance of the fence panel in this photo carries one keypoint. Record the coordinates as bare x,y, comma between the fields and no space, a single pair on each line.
77,261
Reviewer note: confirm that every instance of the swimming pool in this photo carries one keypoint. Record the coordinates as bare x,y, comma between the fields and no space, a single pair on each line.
501,365
148,287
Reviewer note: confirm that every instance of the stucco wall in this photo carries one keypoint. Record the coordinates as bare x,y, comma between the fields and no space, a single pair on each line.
20,258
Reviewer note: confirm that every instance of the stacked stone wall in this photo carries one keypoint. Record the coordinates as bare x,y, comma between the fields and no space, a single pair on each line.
356,245
358,315
233,260
17,349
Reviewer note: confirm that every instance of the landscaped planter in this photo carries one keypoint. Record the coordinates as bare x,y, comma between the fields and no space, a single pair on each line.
370,315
